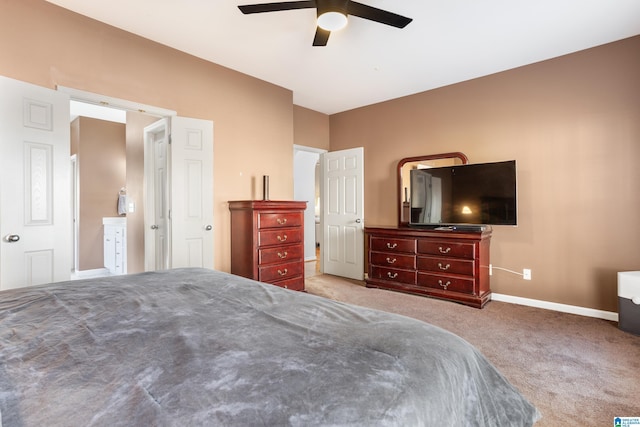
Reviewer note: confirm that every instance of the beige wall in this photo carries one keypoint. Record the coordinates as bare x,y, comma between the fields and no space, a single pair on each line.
571,123
573,126
310,128
253,120
101,159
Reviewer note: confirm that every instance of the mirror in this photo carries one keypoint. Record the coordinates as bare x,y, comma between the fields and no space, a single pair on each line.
404,183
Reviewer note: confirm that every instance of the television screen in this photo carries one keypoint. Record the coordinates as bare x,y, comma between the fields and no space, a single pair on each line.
479,194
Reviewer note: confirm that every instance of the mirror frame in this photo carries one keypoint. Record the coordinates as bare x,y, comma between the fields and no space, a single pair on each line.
454,155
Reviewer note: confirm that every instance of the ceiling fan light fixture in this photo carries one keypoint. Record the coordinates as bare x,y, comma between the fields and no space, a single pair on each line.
332,21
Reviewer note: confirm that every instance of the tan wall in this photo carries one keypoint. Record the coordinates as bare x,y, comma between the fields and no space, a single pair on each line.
253,120
310,128
101,157
571,123
573,126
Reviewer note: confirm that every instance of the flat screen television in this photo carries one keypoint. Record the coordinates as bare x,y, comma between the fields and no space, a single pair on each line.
464,195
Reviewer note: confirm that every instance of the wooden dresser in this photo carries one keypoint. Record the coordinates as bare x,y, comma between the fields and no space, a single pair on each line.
450,264
267,241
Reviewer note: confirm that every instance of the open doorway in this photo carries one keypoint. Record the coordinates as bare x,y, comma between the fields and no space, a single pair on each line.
98,146
306,187
187,178
110,197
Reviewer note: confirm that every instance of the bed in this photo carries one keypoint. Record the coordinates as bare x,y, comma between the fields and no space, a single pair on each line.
190,347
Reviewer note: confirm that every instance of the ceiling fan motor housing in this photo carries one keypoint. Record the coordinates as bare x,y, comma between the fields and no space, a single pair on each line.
341,6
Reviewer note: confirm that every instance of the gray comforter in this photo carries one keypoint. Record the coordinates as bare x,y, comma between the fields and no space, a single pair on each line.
193,347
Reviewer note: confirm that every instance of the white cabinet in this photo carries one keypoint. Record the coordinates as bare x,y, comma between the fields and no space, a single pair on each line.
115,244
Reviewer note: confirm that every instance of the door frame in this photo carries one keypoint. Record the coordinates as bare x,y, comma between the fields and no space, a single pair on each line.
75,212
120,104
116,103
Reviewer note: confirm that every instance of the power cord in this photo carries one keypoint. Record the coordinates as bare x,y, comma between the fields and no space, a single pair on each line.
506,269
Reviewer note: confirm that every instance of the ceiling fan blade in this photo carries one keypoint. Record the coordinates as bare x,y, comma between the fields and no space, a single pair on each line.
378,15
274,7
321,38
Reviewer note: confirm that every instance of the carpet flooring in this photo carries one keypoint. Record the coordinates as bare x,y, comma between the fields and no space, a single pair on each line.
577,370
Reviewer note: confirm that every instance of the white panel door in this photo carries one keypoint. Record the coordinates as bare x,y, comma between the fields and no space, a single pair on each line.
343,213
191,192
35,205
157,198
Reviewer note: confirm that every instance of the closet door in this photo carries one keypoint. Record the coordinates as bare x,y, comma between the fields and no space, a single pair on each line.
191,192
179,190
35,207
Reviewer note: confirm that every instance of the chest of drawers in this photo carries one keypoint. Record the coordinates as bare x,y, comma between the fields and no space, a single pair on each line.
452,265
267,241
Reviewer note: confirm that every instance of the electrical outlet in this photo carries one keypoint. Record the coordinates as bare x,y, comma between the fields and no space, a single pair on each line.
490,270
526,274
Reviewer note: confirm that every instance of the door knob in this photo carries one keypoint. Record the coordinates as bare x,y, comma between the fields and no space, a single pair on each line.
358,221
208,228
154,227
11,238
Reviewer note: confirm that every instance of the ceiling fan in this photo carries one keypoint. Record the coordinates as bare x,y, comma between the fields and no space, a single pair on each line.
332,14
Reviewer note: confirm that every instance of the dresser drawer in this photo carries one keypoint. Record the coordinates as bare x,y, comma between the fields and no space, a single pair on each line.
280,254
445,283
450,249
276,272
279,237
296,284
393,260
446,265
392,275
389,244
282,219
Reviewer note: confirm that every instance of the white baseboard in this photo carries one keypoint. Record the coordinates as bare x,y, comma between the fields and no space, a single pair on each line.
97,272
573,309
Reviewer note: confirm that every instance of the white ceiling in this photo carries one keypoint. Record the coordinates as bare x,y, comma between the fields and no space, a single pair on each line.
449,41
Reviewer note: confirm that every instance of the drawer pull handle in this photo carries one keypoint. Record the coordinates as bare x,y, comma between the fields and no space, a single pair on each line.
391,275
392,245
391,261
282,238
282,255
282,221
283,273
444,251
445,268
444,285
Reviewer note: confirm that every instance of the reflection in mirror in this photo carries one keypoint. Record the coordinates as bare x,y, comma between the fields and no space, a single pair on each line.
420,162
